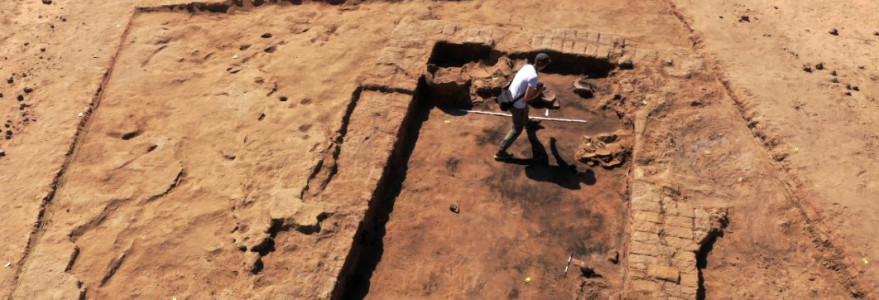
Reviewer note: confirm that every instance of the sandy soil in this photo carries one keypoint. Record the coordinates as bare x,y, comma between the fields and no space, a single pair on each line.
156,150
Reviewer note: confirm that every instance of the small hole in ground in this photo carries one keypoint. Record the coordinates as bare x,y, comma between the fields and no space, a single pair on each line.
131,135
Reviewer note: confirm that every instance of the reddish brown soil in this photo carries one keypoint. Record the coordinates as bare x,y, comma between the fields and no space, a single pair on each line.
156,150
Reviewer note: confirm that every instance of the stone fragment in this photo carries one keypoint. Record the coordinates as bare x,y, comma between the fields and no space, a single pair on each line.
856,88
20,97
608,150
266,35
745,18
834,31
2,153
819,66
807,68
665,273
835,80
833,72
47,2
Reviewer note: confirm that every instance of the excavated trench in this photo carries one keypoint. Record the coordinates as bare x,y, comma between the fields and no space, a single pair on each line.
515,219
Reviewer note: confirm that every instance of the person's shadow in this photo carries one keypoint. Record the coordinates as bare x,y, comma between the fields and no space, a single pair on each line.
538,168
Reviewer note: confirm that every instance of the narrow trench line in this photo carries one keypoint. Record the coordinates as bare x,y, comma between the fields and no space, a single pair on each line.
46,207
791,185
368,247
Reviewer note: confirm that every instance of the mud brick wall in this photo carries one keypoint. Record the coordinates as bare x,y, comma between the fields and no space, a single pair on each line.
403,61
667,235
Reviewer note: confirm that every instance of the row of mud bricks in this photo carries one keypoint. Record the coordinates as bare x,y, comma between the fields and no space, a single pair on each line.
667,236
409,48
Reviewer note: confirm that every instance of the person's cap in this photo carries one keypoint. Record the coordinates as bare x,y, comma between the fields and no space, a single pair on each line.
542,59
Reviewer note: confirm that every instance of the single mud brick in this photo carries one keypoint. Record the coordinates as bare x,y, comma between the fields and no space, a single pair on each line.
266,35
834,31
665,273
819,66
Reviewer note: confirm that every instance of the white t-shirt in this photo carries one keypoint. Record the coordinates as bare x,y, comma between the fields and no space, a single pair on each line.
527,76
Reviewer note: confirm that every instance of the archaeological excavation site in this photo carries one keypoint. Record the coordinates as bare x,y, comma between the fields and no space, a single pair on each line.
287,149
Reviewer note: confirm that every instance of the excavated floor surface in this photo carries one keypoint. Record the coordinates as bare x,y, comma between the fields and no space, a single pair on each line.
277,149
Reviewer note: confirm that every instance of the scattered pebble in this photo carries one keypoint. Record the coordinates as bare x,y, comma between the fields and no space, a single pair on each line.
819,66
834,31
266,35
833,72
47,2
745,18
848,93
856,88
876,33
807,68
283,98
848,86
10,80
28,90
835,80
20,97
454,208
1,95
2,153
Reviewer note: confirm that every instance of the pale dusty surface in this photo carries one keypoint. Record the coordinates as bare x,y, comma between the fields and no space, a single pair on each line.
192,154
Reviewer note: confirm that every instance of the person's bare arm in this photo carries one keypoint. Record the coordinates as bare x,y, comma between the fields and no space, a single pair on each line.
532,93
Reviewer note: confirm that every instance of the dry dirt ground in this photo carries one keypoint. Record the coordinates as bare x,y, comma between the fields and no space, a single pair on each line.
312,150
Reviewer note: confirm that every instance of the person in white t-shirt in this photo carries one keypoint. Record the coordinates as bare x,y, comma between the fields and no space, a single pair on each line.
524,88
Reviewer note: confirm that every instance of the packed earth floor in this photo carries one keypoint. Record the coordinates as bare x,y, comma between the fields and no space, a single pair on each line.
343,150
